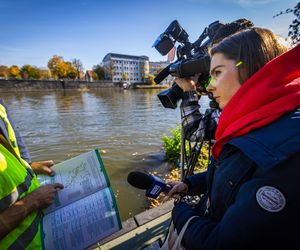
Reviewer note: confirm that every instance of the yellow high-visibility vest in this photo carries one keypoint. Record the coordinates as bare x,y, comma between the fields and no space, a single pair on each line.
10,130
16,181
11,133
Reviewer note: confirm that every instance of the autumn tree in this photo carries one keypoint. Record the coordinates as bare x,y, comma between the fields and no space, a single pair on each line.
71,71
77,64
151,79
99,71
30,72
14,72
25,71
45,73
95,76
109,71
58,67
4,71
125,76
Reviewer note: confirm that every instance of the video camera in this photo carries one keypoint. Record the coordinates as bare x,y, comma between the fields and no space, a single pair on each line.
192,59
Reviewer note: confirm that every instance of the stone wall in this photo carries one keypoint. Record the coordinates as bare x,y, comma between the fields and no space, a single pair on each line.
39,85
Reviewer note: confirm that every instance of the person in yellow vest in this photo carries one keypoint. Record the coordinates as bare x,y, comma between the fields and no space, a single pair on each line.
12,135
21,197
21,201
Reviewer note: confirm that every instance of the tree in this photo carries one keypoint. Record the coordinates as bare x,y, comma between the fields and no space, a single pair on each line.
25,71
71,71
45,73
14,72
99,71
294,32
95,76
4,71
30,72
109,71
125,76
151,80
58,67
77,64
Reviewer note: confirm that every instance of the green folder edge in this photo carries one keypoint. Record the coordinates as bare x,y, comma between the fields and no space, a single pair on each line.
110,188
43,235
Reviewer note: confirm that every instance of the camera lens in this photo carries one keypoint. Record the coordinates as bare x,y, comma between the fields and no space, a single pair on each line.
171,96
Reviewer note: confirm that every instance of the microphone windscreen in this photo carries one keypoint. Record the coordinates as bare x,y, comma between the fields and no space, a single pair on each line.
140,180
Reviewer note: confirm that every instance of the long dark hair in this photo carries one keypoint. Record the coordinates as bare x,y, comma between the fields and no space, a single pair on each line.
251,48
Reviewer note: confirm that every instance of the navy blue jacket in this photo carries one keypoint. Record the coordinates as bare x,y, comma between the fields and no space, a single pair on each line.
252,193
3,129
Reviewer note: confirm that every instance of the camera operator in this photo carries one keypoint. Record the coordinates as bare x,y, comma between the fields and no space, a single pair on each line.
250,191
196,126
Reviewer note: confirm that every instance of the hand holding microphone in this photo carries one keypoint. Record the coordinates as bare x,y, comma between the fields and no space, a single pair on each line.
177,188
154,185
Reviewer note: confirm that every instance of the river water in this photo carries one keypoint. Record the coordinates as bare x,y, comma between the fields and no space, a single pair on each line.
126,125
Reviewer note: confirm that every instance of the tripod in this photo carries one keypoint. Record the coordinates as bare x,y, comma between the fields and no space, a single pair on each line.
190,152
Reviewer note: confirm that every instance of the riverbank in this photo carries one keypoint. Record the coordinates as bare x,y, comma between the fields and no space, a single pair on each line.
17,85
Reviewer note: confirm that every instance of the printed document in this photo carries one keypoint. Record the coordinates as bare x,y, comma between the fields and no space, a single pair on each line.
85,211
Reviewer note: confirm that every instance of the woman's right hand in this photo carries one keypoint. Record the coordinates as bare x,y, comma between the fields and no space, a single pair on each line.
177,188
186,84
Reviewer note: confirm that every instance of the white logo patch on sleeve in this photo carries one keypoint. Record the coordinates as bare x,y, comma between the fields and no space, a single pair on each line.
270,199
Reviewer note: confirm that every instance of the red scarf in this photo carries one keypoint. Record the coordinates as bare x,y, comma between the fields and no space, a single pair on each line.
266,96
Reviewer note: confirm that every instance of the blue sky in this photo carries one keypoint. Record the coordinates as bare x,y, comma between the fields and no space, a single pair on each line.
32,31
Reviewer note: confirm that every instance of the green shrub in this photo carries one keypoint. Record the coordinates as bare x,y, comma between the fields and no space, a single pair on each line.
172,144
172,147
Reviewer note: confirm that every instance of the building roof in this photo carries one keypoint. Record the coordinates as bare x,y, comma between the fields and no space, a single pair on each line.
109,55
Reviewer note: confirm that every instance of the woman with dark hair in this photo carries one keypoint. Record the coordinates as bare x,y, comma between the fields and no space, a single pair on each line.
197,126
249,195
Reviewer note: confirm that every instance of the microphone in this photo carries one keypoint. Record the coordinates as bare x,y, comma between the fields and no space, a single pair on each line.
153,184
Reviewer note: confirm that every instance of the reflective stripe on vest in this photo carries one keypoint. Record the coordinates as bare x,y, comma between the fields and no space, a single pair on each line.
17,181
12,197
26,238
10,130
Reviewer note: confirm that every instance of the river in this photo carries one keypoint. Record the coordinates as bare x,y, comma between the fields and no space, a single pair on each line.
126,125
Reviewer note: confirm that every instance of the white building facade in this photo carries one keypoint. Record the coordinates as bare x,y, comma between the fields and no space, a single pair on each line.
134,69
156,67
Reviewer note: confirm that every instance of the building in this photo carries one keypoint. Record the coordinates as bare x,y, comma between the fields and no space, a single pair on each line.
89,76
156,67
134,69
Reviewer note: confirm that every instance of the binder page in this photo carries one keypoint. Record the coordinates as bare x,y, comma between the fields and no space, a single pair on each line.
82,223
81,176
